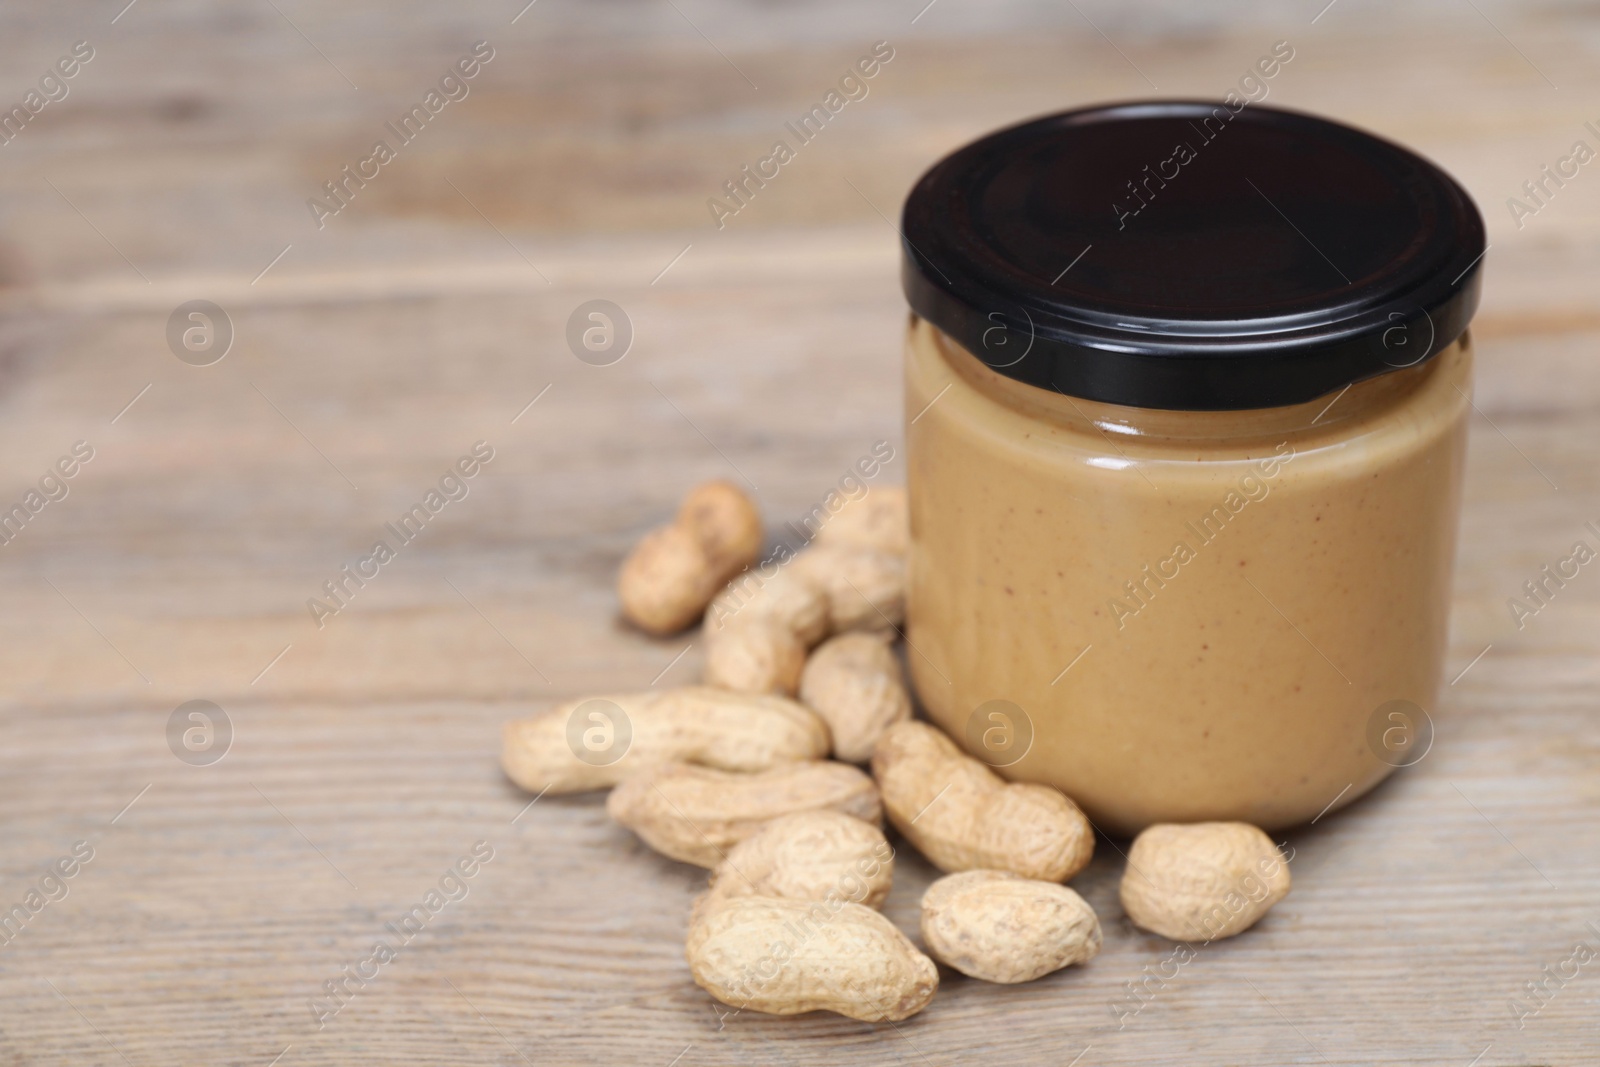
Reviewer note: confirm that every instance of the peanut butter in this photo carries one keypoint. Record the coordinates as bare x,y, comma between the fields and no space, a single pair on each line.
1197,612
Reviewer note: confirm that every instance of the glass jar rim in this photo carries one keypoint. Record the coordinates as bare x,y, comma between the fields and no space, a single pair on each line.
1331,417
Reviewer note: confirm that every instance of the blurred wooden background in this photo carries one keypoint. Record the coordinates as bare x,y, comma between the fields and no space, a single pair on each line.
432,310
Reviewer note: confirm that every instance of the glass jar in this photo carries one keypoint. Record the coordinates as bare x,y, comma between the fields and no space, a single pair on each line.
1183,527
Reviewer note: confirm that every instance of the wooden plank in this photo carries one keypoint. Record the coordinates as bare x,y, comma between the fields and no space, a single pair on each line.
379,349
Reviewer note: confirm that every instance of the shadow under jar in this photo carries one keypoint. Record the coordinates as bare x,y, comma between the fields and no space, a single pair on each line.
1186,399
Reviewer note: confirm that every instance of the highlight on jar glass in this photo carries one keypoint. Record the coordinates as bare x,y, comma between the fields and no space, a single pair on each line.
1186,401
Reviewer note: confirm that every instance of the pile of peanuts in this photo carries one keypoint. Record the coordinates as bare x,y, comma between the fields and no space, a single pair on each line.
734,775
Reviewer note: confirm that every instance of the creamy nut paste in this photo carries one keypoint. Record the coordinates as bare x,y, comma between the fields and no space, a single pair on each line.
1198,611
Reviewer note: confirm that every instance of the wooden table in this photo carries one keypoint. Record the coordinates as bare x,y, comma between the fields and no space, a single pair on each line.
430,312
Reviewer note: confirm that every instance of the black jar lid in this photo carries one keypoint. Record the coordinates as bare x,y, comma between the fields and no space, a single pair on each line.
1188,255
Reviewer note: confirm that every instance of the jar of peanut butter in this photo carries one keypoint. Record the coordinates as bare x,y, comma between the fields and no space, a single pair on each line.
1187,388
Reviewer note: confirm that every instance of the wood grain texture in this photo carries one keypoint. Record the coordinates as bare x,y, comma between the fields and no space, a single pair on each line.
431,311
